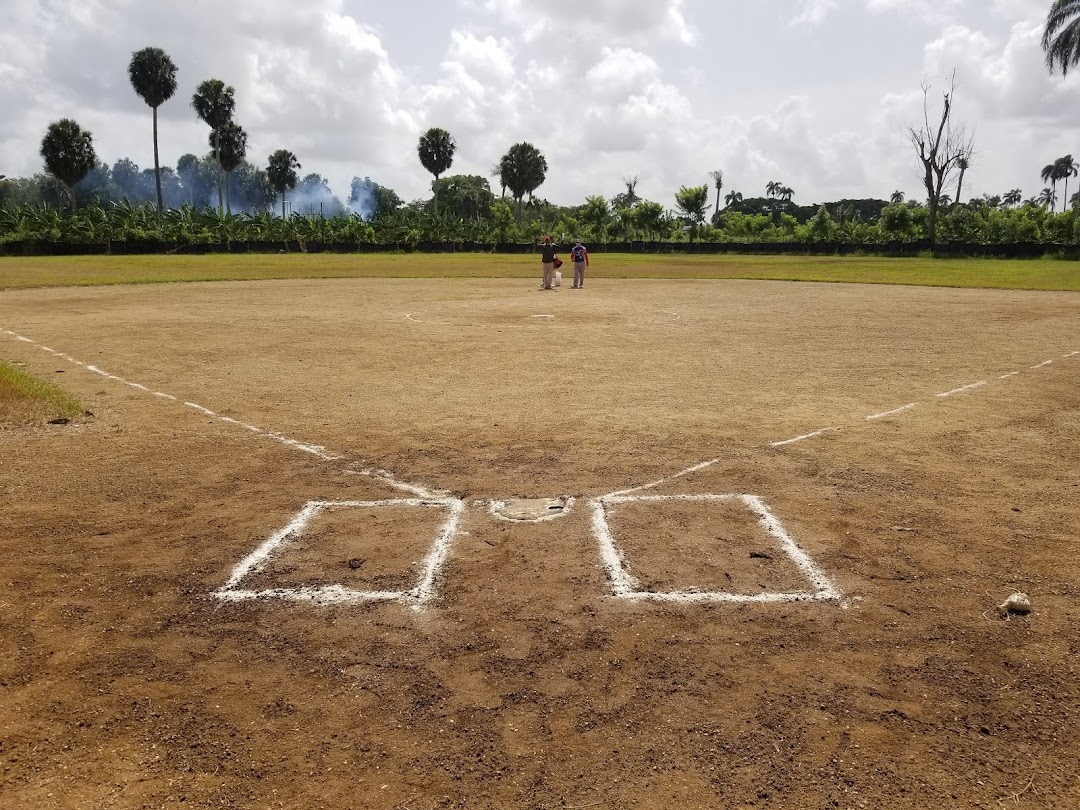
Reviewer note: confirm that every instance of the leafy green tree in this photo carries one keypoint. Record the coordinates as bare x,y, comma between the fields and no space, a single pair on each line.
597,214
153,76
502,219
465,196
524,169
1061,35
127,177
693,202
214,102
651,218
281,173
68,151
231,140
436,150
821,227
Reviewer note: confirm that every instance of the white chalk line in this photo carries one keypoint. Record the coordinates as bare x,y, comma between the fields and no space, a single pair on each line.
409,317
495,508
815,434
804,437
338,594
311,449
969,387
543,316
893,412
653,484
625,586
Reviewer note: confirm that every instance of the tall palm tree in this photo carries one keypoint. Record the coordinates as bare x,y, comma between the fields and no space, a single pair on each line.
68,151
214,102
1047,198
897,197
436,151
1061,35
785,193
963,163
281,172
525,170
1050,174
718,181
732,198
153,76
1066,168
1012,197
772,188
232,141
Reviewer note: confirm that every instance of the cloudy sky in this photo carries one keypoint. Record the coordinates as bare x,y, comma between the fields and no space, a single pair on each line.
815,94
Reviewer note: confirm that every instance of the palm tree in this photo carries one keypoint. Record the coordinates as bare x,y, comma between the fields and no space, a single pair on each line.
632,197
1061,35
732,198
785,193
524,170
214,102
68,151
232,141
1012,197
281,172
1047,198
963,163
153,76
772,188
436,151
1066,168
1050,174
897,197
718,180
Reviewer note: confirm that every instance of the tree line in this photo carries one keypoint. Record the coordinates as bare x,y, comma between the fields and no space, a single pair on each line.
464,207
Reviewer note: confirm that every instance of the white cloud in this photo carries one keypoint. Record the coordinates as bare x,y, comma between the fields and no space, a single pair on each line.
596,20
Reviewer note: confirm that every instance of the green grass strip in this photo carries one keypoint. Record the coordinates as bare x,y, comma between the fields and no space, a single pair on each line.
1016,274
24,397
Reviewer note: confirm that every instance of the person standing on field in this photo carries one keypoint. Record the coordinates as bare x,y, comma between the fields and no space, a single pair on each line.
548,258
580,255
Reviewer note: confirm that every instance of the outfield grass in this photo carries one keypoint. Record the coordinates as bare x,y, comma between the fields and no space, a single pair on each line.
25,398
1022,274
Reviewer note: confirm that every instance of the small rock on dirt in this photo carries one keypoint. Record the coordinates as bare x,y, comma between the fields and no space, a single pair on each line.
355,563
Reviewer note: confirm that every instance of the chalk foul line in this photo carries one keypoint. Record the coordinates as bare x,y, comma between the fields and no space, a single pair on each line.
893,412
305,447
804,437
962,388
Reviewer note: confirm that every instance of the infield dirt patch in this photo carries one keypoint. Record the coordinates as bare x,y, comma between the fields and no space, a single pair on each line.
525,682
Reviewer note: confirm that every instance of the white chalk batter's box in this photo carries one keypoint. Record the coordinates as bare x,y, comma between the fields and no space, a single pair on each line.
623,584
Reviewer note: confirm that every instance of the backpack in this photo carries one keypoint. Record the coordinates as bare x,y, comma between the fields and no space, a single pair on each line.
578,253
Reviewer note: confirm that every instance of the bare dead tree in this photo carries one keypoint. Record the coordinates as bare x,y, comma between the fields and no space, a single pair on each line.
940,147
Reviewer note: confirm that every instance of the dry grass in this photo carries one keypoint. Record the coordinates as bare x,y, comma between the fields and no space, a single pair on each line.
25,399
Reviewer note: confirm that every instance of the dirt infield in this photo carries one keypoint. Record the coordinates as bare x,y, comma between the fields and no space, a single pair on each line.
522,681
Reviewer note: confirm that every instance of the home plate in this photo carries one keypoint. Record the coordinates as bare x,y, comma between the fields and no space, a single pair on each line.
531,510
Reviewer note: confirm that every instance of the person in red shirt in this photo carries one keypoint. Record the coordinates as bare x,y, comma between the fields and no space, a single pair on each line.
580,255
